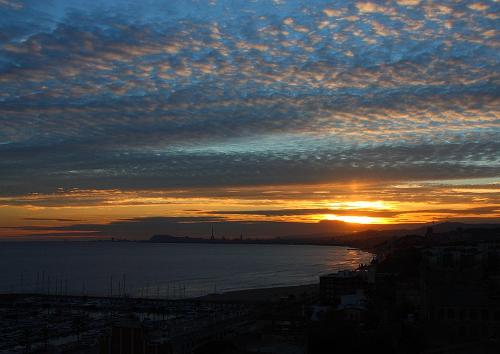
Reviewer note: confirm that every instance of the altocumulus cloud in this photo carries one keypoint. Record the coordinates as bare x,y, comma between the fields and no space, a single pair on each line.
169,94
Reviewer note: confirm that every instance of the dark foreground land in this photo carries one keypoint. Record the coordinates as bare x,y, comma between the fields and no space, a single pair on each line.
234,322
436,293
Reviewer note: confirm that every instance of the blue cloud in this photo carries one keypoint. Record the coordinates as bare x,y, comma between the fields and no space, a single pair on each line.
132,95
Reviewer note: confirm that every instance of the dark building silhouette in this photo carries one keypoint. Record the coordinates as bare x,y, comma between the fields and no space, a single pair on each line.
461,293
333,286
433,294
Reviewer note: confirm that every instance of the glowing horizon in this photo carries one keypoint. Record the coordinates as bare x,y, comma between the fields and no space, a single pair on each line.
353,219
64,212
127,118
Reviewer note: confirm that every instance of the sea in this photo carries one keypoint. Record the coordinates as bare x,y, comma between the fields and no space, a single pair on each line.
164,270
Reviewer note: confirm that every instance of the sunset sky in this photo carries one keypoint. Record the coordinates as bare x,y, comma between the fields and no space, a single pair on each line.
123,118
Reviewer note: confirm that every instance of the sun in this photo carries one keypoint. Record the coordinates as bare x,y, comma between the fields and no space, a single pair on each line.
355,219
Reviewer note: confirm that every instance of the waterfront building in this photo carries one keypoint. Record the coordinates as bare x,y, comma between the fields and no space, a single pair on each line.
461,292
344,282
130,337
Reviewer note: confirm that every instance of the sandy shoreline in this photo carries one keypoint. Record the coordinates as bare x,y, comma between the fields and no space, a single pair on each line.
259,295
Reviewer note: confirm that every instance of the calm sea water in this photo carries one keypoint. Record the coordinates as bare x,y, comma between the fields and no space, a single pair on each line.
164,270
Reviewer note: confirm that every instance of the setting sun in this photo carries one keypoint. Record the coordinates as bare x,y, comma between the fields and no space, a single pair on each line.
356,219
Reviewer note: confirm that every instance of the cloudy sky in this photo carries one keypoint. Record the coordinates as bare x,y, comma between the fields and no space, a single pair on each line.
126,118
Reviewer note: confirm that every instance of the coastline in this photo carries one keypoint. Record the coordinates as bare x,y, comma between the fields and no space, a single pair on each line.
264,295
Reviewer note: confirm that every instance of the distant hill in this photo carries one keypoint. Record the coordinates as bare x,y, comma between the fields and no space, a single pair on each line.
441,233
371,238
452,226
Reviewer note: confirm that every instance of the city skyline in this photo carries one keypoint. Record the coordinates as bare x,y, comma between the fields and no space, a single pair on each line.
169,116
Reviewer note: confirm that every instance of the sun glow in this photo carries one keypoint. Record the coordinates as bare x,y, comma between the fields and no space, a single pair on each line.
355,219
361,204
